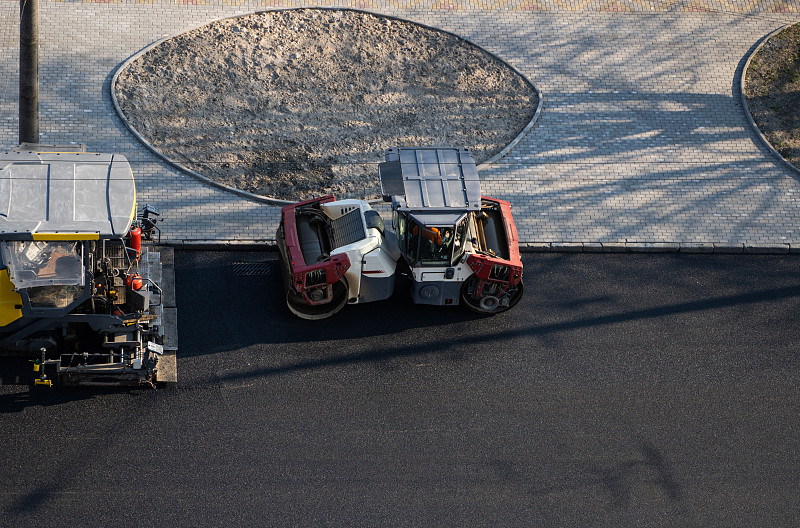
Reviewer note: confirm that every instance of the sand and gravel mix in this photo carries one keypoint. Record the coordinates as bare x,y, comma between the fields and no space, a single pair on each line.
292,104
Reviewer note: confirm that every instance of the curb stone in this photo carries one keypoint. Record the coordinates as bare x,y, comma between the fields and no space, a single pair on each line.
615,247
697,247
594,247
756,249
535,247
653,247
729,248
541,247
567,247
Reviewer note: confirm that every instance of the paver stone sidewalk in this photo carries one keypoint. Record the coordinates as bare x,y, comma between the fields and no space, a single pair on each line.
642,139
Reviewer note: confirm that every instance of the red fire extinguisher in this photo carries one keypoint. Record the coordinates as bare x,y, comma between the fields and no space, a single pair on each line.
135,235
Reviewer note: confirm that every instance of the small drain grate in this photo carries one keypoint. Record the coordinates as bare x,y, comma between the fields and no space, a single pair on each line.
251,268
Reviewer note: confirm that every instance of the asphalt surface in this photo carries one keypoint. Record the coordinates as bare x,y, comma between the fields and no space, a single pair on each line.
623,390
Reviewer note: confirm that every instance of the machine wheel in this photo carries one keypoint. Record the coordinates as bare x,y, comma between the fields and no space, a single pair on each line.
298,306
488,305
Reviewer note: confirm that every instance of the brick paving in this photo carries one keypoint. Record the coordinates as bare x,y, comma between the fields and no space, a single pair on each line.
642,141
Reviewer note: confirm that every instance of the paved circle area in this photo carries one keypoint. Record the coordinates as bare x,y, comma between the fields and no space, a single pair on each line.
642,141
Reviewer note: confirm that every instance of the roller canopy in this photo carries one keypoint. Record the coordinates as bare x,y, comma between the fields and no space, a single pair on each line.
430,179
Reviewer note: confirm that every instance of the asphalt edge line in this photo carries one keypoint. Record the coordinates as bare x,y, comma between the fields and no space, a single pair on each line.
276,201
538,247
658,247
743,98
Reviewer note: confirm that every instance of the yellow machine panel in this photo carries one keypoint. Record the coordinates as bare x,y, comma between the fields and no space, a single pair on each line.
9,300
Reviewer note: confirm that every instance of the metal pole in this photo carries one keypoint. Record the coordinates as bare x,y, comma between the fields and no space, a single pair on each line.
29,71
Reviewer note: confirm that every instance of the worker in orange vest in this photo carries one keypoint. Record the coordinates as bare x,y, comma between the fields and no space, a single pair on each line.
431,234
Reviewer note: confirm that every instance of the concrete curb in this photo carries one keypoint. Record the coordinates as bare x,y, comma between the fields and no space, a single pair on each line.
275,201
542,247
747,112
657,247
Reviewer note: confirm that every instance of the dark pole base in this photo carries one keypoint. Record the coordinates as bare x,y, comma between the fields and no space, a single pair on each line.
29,71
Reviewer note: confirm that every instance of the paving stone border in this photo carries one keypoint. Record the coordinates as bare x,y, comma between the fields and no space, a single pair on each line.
743,97
275,201
560,247
656,247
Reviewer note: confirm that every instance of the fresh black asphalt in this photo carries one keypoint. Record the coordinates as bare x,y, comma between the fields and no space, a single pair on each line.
623,390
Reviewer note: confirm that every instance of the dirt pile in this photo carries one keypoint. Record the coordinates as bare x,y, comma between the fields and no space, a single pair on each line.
292,104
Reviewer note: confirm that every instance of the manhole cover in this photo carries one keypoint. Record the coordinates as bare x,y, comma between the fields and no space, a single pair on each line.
251,268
